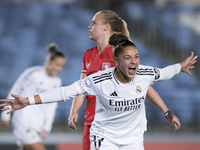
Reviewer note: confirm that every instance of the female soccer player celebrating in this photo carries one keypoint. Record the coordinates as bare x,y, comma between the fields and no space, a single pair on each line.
100,57
30,121
120,92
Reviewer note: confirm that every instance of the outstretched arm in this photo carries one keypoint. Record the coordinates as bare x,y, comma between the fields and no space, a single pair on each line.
156,99
170,71
18,102
50,96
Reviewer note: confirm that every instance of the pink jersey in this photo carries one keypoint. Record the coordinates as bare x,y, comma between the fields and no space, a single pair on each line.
92,63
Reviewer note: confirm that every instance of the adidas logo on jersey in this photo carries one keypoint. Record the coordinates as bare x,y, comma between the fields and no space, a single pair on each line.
113,94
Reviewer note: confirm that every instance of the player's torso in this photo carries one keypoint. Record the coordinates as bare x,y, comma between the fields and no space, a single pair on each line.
38,82
35,82
119,107
116,99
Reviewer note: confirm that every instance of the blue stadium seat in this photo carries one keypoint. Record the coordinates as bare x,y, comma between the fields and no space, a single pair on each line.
168,23
184,37
134,10
151,19
34,15
196,44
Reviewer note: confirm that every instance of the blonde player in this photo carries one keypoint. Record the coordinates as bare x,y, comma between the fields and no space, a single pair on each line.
120,92
34,123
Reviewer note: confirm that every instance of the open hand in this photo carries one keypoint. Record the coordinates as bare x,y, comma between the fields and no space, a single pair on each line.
17,103
188,63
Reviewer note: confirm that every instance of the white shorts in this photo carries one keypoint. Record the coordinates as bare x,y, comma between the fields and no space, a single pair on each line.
26,136
100,143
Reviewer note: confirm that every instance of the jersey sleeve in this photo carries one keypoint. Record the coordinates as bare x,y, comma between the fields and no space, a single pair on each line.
84,70
81,87
167,72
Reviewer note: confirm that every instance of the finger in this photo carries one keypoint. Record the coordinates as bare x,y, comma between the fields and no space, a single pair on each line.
192,53
69,119
10,111
14,95
189,73
72,125
177,127
4,104
75,119
195,57
191,56
5,108
193,61
4,100
191,67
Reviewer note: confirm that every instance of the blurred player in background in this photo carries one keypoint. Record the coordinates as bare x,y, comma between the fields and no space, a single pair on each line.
120,118
34,123
103,25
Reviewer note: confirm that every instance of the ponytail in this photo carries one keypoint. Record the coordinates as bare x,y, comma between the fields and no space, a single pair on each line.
117,24
54,52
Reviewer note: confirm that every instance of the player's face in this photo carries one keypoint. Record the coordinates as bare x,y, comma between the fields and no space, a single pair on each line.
127,64
56,66
96,28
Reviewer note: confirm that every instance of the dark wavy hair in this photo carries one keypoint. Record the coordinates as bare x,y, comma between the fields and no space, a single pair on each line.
119,41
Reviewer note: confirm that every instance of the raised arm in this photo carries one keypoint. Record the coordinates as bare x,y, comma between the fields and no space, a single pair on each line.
171,70
156,99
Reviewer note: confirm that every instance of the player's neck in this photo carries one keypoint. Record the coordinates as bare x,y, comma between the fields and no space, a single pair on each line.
101,45
120,76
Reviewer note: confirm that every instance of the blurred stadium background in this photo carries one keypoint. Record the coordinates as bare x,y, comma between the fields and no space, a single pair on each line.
165,32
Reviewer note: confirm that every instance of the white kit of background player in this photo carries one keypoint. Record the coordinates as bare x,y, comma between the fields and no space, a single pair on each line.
37,118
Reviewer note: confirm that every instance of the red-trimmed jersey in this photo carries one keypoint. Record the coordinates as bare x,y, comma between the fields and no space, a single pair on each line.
92,63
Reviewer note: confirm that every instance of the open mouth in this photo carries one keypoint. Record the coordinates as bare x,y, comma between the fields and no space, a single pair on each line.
132,70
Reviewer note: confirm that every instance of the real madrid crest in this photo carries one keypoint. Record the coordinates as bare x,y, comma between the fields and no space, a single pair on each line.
138,89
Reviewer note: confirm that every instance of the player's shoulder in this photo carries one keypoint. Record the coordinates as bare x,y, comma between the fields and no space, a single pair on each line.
102,76
145,70
32,70
91,50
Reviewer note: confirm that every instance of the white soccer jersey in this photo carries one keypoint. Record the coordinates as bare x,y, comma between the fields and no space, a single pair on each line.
120,110
31,82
